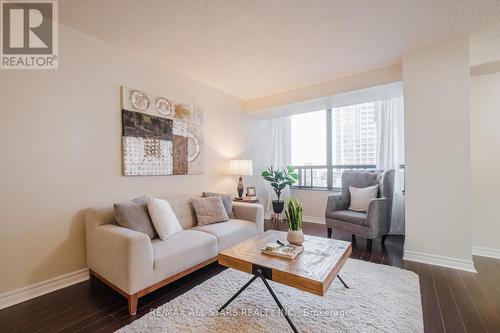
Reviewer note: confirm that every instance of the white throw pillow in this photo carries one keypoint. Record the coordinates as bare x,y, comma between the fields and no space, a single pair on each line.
163,217
360,197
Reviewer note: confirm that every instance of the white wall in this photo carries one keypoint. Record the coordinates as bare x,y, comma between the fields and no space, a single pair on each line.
60,148
485,164
437,133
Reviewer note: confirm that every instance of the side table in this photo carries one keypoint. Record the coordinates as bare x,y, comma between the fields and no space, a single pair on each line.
245,200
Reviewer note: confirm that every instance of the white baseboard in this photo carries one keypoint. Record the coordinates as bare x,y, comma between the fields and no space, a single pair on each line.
41,288
313,219
432,259
486,252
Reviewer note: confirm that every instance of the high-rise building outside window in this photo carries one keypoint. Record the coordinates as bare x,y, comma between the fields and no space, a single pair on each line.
326,142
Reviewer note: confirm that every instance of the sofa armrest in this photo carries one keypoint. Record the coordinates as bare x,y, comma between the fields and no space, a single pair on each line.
336,202
250,212
378,217
122,256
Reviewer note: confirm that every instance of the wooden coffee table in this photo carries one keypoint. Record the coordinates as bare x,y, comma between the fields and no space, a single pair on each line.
313,270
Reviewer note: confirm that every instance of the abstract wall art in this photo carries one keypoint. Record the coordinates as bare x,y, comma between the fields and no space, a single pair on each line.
160,136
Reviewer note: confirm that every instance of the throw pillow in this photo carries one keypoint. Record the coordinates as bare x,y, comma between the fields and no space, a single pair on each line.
134,215
209,210
360,197
227,201
163,217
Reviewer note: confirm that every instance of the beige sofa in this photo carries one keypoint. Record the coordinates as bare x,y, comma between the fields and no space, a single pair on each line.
134,265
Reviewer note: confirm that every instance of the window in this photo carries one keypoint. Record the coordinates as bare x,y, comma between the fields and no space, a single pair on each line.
324,143
309,145
309,138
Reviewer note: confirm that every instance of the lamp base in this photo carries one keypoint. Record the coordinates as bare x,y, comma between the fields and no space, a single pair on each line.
240,187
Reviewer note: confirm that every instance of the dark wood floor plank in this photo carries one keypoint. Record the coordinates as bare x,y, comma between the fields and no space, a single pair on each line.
449,310
468,311
489,278
65,305
485,308
412,266
73,311
106,321
46,305
75,316
96,317
433,321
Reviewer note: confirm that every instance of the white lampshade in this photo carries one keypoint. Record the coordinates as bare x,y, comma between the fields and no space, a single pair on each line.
240,168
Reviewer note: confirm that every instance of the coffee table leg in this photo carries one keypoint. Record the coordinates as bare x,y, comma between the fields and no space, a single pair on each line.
283,311
239,292
257,275
345,285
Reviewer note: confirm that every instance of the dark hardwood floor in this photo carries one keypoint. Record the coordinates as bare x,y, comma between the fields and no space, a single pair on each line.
453,301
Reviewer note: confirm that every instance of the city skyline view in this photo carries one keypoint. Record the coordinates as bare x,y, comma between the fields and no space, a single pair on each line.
354,141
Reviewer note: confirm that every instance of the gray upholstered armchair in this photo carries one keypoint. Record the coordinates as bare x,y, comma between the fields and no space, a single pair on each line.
376,221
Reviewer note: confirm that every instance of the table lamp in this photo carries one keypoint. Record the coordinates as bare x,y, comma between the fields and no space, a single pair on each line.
240,168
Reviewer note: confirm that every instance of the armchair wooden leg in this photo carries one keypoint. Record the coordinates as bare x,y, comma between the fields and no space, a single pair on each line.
329,232
383,238
369,244
132,304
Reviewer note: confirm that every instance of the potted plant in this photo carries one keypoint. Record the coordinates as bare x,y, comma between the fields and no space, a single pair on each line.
280,179
294,217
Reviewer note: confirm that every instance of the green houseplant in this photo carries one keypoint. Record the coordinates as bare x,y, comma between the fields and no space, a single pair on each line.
280,179
294,218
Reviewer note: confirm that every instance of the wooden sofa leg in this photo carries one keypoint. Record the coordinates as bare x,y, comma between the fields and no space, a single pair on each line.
132,304
329,232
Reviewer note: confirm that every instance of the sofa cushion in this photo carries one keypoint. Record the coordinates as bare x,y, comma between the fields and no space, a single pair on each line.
209,210
349,216
134,215
163,218
231,232
227,201
182,251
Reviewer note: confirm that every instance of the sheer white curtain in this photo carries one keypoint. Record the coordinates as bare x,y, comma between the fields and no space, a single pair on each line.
279,154
390,128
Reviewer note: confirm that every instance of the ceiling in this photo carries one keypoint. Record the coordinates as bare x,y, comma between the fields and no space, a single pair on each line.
252,48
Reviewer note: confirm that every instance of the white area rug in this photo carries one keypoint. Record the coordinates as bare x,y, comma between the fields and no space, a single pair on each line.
381,299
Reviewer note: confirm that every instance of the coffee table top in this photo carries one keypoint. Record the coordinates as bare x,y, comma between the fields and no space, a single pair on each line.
313,270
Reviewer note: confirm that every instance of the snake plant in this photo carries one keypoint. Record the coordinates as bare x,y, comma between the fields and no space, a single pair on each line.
294,214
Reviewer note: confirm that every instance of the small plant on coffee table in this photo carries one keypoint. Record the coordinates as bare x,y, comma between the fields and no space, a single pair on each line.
294,214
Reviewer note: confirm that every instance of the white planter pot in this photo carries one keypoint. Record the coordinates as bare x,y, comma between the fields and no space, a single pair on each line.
295,237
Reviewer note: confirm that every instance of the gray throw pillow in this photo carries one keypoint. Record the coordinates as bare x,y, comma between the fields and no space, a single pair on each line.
209,210
134,215
227,201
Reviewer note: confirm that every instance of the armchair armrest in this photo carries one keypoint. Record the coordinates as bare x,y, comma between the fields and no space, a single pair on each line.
378,217
250,212
336,202
122,256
